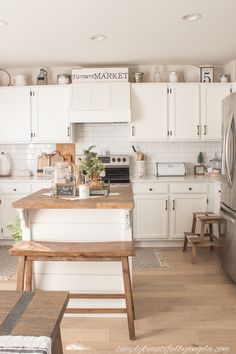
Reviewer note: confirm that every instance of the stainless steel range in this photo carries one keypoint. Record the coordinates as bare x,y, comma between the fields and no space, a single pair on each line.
116,168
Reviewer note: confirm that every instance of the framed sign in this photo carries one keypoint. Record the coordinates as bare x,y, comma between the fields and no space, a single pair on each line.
207,74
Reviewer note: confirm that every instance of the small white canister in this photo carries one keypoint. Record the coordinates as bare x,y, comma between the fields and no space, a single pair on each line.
173,76
83,191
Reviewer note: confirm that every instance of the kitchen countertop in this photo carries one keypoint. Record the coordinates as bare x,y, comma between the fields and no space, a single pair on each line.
38,200
189,178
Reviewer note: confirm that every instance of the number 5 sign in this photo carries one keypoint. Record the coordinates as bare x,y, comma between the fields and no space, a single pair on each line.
207,74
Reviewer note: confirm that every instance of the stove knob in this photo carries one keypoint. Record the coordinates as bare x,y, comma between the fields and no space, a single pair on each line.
118,159
124,159
113,159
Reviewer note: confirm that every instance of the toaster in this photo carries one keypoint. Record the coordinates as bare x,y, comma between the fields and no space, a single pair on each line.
165,169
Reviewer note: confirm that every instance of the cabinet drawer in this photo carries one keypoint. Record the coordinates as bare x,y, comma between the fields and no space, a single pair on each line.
189,188
150,188
15,188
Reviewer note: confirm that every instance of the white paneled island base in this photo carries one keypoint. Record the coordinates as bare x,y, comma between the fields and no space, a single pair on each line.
95,223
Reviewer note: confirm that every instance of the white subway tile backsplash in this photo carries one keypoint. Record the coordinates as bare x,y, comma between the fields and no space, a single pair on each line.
114,138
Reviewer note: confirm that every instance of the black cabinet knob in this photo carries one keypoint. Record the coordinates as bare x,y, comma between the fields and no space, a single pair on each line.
14,189
150,189
190,188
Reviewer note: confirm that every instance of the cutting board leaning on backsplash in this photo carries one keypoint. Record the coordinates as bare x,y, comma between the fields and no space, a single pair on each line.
67,151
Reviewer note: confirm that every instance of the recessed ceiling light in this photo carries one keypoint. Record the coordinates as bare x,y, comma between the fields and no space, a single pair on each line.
3,23
98,37
192,17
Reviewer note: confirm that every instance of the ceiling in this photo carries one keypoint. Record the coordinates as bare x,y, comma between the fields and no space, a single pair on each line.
57,32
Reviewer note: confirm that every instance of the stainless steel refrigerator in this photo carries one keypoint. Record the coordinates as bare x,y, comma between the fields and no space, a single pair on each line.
228,190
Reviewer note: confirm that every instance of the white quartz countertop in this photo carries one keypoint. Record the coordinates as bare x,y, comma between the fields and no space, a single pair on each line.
190,178
31,179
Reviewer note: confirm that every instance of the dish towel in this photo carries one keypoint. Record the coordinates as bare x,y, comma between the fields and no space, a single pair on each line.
25,344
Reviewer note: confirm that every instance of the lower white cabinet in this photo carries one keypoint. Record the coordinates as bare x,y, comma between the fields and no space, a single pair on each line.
10,192
181,208
148,223
164,211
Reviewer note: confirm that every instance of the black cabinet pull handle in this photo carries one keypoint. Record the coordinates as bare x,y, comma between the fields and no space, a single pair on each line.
173,207
166,205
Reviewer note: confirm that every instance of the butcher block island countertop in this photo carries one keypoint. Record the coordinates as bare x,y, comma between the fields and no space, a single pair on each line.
122,199
45,218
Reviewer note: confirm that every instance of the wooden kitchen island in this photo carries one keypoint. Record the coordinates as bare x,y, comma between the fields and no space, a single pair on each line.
96,219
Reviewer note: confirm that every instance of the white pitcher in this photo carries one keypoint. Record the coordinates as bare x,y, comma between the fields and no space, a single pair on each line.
19,80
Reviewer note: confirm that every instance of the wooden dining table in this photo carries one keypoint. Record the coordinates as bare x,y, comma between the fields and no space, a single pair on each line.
25,313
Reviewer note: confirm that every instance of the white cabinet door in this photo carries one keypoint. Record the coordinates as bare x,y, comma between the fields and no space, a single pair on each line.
15,115
8,212
184,111
211,109
50,110
181,208
150,217
100,102
149,112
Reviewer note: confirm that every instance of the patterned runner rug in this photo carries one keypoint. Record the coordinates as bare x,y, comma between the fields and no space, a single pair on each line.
8,264
148,257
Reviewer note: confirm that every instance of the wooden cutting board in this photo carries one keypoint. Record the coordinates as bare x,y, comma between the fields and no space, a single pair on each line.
67,151
56,157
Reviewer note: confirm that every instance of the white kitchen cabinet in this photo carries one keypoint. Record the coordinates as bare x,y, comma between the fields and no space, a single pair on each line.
164,211
149,112
50,113
181,208
15,114
184,111
151,216
165,112
9,192
100,103
211,109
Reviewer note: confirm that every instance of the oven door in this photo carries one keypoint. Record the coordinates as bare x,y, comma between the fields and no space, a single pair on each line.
116,175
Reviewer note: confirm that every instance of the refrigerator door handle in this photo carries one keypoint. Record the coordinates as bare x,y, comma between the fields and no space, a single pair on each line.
227,217
227,214
226,152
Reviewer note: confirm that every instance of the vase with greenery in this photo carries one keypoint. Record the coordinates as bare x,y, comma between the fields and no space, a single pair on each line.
200,158
92,167
15,229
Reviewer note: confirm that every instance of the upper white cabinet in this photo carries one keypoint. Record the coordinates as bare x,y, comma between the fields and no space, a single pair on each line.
50,105
15,115
165,112
184,111
211,109
149,111
34,114
100,103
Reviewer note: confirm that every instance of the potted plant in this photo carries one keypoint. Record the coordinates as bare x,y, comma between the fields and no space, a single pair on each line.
92,167
200,168
15,229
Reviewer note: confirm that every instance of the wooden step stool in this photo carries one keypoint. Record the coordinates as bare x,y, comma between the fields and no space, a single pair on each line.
199,239
28,252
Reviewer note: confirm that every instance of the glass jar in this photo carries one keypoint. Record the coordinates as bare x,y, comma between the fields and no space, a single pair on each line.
62,172
173,76
138,77
215,164
42,78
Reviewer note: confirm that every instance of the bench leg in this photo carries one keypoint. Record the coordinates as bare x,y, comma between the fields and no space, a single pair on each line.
185,243
194,252
20,273
128,296
28,276
57,344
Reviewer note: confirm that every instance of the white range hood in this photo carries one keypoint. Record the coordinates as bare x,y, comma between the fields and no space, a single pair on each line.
100,103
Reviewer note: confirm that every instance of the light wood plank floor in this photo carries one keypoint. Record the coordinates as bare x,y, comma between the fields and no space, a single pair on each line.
185,304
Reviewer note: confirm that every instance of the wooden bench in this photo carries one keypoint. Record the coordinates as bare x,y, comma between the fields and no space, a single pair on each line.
204,238
33,314
28,252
